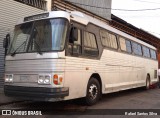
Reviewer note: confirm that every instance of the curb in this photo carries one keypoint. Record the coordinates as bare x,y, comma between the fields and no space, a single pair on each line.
12,102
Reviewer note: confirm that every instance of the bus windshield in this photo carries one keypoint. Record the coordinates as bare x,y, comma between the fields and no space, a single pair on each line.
42,35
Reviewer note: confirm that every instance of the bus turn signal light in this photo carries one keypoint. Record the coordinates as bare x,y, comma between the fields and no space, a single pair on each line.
57,80
60,79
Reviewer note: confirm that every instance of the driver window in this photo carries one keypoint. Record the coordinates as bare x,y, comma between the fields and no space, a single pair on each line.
78,42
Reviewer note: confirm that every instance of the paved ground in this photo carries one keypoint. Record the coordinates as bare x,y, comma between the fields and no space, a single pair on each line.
135,100
6,100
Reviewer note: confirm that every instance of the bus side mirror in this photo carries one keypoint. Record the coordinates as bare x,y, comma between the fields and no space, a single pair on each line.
73,34
6,43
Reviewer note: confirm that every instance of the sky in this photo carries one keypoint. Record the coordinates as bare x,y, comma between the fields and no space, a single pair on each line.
148,20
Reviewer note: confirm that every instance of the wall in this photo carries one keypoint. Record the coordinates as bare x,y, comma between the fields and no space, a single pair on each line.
86,4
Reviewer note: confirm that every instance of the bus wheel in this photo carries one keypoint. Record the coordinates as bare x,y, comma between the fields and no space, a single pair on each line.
147,83
93,92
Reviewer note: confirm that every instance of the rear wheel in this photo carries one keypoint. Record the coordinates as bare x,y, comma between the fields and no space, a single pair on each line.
93,92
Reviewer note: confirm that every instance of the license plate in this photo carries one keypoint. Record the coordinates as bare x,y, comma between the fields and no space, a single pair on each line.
24,77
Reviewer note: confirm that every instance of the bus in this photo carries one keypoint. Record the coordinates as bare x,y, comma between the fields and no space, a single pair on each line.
62,55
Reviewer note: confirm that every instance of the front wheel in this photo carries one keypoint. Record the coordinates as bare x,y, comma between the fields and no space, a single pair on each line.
93,92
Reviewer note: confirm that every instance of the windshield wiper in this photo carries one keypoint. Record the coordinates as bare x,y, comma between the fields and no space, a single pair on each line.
38,47
12,54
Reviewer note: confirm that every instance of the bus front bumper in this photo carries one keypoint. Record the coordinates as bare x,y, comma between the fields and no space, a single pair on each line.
36,93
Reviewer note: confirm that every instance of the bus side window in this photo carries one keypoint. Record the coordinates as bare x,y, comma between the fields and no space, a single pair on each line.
75,45
146,52
153,54
108,39
125,45
137,49
90,44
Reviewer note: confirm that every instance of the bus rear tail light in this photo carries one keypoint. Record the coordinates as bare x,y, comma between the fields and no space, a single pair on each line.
57,79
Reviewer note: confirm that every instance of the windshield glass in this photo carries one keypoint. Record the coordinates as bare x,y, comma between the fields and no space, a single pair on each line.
43,35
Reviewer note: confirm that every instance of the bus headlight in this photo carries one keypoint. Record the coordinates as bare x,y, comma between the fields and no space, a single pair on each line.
8,78
44,79
47,79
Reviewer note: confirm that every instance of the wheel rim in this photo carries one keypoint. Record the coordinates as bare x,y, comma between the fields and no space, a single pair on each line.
93,91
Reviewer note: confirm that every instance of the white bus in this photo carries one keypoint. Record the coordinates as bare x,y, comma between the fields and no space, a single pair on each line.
63,55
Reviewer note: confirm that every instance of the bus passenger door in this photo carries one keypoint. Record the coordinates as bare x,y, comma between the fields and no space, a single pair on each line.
74,71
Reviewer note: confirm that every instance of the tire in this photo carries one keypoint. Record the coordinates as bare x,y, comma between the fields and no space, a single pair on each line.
93,92
147,83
